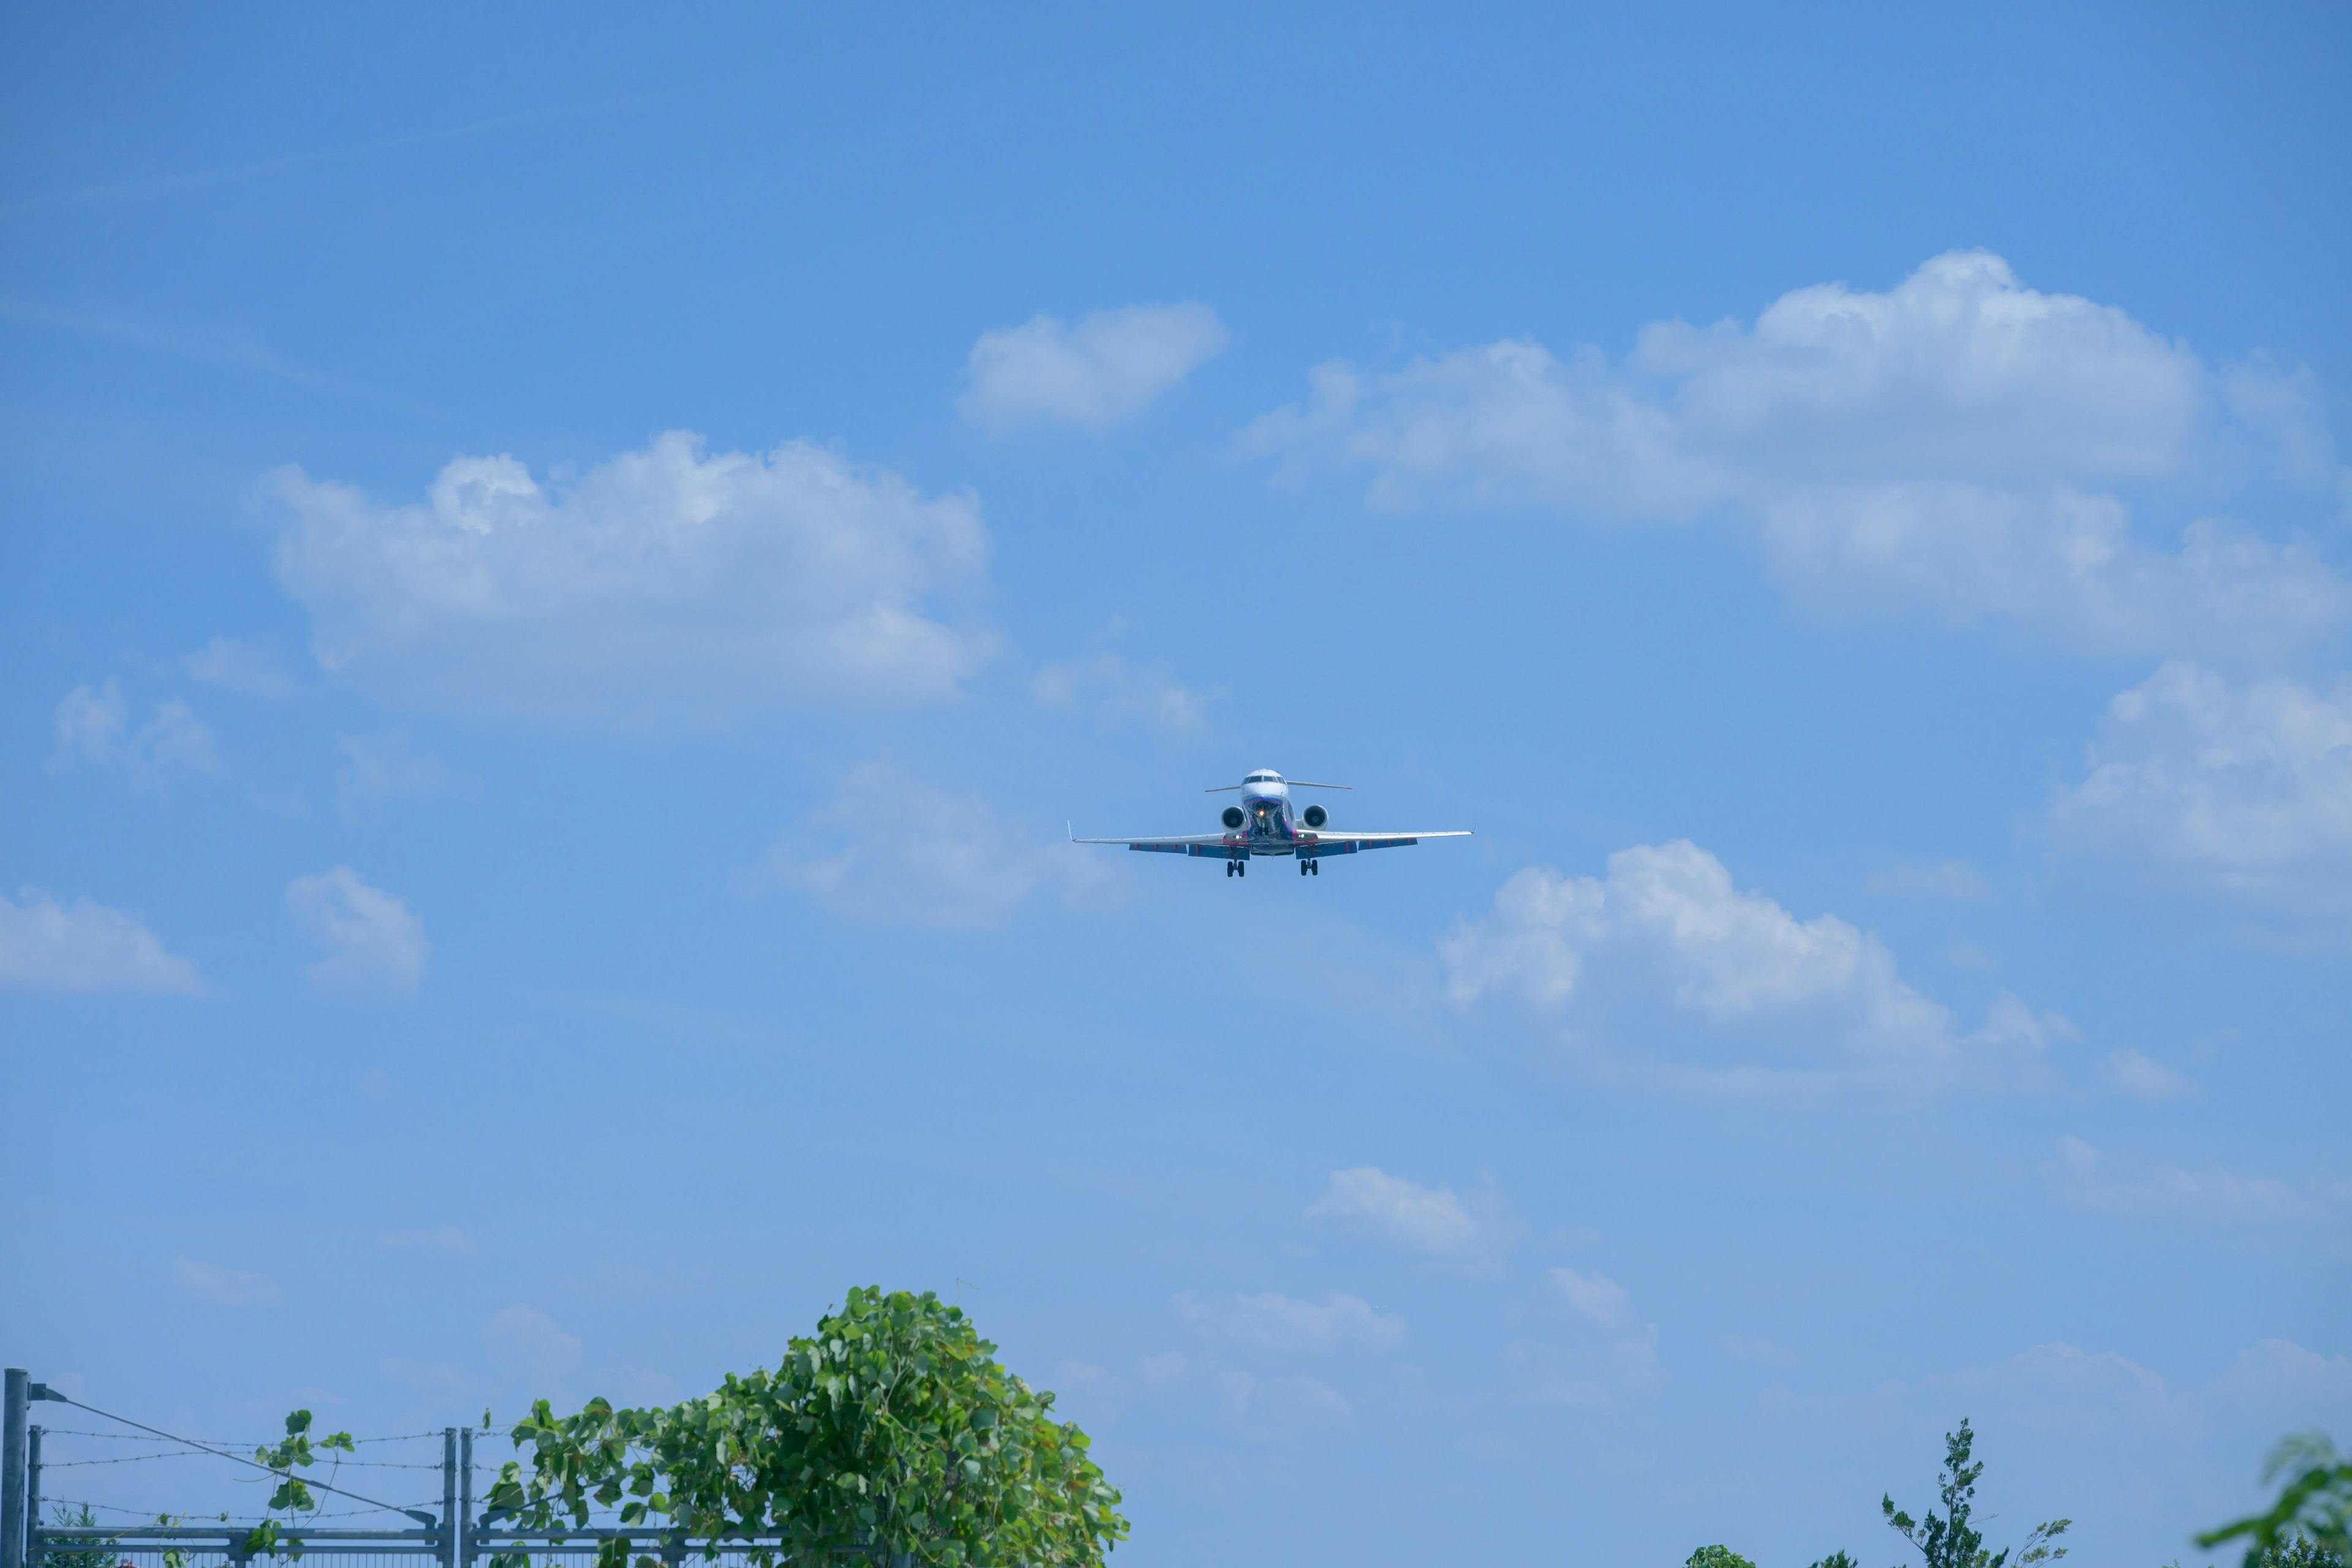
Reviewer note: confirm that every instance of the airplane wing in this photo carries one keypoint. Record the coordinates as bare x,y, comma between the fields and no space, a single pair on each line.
1217,844
1321,843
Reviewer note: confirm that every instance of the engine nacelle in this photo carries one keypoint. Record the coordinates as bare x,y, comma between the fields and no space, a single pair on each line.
1316,816
1232,817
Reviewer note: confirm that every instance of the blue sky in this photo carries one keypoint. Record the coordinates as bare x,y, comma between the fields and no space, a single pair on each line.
564,572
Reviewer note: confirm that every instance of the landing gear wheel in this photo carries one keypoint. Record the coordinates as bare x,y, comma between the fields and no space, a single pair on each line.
1241,867
1316,866
1229,871
1302,865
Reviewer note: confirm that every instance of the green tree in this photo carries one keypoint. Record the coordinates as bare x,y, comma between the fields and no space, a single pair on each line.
892,1431
1948,1541
83,1553
1837,1560
1716,1557
2314,1509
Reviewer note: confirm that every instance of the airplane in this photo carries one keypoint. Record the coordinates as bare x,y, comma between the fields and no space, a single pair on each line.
1261,825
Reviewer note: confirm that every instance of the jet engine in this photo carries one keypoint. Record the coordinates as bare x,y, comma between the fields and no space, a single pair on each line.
1316,816
1232,817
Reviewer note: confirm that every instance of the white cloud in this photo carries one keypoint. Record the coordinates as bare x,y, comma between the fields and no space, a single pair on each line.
1118,694
2280,1370
1665,950
2209,1197
228,1287
1959,445
379,768
250,668
1273,1321
2242,793
2142,1077
665,589
85,947
1104,370
439,1238
529,1337
1606,1375
91,725
891,850
1596,1296
375,946
1754,1350
1404,1213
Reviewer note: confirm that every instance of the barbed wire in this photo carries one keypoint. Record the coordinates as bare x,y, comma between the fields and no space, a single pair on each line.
223,1442
199,1453
151,1514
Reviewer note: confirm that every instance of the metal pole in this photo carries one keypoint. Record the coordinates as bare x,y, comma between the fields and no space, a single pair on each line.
19,1391
466,1497
33,1496
447,1551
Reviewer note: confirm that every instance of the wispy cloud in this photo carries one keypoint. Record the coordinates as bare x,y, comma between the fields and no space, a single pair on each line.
2207,1197
211,345
227,1287
132,190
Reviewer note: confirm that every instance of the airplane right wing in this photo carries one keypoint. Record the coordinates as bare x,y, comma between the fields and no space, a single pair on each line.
1321,843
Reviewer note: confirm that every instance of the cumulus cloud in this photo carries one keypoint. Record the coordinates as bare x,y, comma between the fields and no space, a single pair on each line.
532,1340
243,666
1118,694
380,768
225,1286
1959,445
2240,791
2142,1077
375,946
93,725
2209,1197
1595,1296
85,947
665,588
1273,1321
1429,1220
1102,372
891,850
1747,996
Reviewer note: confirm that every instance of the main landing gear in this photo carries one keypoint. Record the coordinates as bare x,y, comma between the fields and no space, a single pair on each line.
1236,867
1309,866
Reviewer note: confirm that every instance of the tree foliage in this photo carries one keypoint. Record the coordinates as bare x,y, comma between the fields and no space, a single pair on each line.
1716,1557
1948,1540
892,1431
2313,1510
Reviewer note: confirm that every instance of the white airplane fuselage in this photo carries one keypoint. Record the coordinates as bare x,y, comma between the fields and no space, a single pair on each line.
1267,826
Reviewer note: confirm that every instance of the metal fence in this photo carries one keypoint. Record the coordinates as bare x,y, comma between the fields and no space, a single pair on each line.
452,1534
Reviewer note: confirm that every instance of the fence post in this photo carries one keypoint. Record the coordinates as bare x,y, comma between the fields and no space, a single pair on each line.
17,1393
466,1497
447,1548
33,1553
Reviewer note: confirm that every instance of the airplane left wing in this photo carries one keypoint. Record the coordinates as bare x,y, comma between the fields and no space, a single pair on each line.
1222,845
